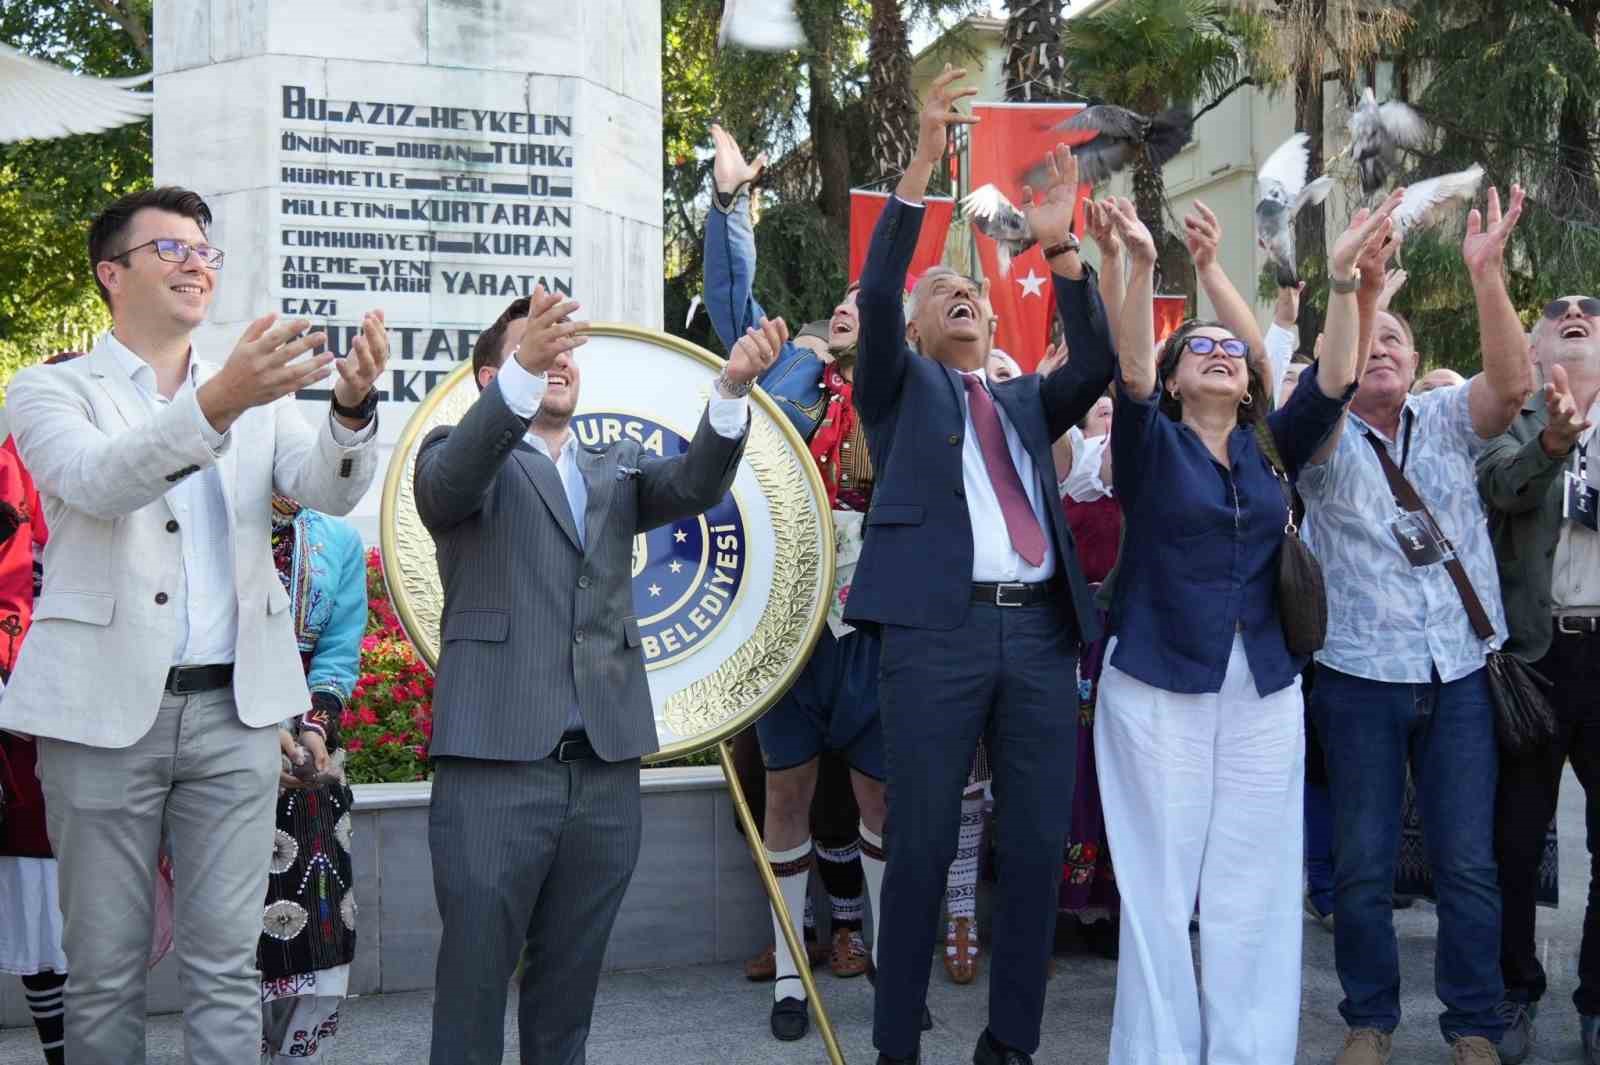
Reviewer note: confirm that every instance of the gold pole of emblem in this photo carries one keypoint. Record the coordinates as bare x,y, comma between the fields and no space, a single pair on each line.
797,950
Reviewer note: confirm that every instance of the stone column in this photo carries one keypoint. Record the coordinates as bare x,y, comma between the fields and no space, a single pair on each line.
433,158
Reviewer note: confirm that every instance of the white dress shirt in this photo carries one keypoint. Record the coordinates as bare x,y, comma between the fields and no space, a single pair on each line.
209,600
523,392
1280,342
994,560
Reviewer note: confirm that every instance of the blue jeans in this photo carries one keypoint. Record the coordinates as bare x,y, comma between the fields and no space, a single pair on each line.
1319,847
1369,730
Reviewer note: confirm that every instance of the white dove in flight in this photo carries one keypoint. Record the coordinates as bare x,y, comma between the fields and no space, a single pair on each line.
1281,191
1378,132
999,220
1426,203
760,25
41,102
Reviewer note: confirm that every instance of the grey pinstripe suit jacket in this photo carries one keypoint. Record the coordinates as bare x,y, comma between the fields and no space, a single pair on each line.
533,622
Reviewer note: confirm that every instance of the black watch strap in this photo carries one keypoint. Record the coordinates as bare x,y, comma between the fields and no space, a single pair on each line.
363,410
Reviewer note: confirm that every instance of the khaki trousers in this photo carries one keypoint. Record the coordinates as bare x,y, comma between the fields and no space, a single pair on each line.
209,783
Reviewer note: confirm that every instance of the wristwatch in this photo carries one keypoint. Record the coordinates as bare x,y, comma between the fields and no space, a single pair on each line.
1349,284
728,390
1068,243
362,411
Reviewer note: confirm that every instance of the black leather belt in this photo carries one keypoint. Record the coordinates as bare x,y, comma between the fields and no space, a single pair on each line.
574,747
1012,594
1578,626
190,680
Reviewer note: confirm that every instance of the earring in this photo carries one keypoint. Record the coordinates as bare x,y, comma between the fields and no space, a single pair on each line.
1247,401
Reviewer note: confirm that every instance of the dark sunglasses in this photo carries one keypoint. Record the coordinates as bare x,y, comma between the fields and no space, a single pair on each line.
1588,305
178,251
1231,347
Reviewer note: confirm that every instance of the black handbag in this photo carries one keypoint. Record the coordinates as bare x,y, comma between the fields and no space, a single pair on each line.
1524,720
1302,592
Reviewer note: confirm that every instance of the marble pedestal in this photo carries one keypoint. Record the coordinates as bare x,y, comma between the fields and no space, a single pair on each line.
432,158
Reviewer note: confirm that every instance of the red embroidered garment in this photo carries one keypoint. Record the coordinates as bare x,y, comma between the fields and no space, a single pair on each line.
22,831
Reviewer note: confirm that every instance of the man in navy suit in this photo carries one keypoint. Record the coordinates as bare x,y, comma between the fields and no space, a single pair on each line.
970,573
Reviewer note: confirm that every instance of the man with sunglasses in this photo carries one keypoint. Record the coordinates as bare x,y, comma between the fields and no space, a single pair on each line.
162,655
1539,482
1401,677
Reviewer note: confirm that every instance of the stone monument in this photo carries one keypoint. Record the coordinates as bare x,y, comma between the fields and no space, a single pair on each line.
433,158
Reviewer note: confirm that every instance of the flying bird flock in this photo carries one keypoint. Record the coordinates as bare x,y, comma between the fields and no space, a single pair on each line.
1378,135
42,102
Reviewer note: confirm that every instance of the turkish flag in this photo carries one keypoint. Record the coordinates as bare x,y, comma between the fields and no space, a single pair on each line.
865,207
1008,141
1169,314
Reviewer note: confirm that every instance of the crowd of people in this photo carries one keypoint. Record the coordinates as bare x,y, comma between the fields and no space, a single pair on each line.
1070,615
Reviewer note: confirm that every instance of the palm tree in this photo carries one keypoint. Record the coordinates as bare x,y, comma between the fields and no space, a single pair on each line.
890,104
1152,54
1035,67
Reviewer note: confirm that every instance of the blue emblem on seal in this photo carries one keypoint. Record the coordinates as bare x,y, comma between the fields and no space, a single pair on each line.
686,575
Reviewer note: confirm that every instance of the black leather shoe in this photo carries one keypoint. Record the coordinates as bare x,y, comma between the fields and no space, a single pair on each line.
790,1021
991,1051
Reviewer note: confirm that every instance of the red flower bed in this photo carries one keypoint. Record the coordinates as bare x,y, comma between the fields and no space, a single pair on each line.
389,720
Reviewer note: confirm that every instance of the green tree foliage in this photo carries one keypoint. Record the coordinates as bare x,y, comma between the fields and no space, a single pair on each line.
811,112
1513,85
1152,54
49,190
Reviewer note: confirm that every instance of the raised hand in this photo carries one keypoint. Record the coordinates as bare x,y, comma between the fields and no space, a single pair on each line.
1567,421
1202,233
1368,230
1393,281
1485,245
755,352
939,113
262,370
548,331
1133,233
1097,224
369,354
728,167
1286,308
1050,217
1055,356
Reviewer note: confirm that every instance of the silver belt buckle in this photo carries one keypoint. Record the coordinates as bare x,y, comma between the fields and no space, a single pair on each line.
1001,589
1588,628
561,751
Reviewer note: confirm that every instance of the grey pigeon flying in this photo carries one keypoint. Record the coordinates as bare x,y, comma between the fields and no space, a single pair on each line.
1120,136
1281,191
1377,133
1000,221
39,101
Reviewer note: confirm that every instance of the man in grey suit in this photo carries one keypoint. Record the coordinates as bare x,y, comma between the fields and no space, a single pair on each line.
541,710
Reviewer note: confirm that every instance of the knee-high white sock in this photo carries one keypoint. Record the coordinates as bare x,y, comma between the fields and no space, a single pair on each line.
961,887
793,870
872,860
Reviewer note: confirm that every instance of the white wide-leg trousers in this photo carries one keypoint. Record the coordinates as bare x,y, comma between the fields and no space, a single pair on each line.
1202,797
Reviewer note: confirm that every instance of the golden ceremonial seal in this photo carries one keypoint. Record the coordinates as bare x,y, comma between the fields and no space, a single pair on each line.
729,602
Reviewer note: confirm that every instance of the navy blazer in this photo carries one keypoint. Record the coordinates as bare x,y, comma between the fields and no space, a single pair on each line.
916,561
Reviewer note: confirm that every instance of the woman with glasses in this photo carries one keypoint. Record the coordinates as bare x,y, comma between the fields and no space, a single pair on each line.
1199,733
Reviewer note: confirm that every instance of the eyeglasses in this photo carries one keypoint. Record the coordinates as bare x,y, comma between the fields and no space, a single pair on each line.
178,251
1231,347
1588,305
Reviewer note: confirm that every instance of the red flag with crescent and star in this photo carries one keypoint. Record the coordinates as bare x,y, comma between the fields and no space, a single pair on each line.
865,207
1008,141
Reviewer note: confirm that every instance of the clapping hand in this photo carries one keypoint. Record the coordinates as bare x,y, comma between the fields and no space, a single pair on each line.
728,167
1567,422
548,331
359,369
756,351
263,369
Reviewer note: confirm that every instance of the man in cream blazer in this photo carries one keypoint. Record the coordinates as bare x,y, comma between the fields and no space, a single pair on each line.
162,651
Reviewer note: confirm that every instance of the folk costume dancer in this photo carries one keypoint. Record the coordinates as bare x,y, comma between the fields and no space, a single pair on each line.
833,705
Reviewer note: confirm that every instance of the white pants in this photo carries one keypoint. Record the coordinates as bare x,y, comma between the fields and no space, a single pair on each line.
1202,799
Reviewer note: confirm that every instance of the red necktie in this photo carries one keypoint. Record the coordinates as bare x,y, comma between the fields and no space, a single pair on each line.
1021,523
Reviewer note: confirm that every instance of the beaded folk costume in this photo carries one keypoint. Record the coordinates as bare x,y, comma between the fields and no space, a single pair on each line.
308,934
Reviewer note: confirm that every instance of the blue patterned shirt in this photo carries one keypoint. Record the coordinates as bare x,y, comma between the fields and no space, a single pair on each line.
1388,620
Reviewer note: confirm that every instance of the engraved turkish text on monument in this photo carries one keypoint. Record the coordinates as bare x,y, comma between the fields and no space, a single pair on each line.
440,215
